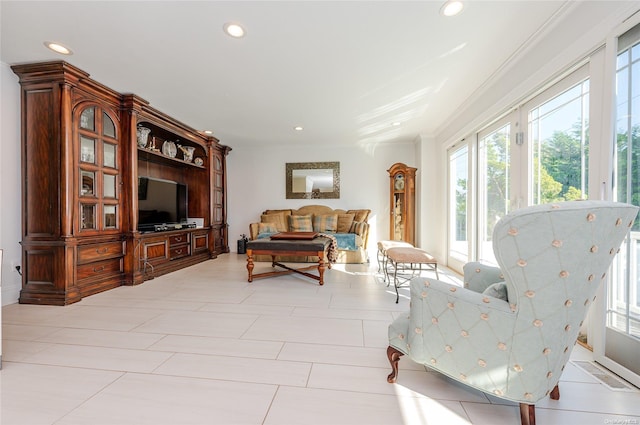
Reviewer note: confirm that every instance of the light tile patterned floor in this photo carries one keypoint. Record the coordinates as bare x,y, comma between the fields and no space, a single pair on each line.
203,346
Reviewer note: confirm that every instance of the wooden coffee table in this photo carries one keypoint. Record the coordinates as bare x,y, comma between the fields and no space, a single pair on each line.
317,246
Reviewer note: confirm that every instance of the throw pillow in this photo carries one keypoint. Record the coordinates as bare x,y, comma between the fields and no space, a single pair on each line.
279,219
357,228
264,228
359,215
300,223
479,276
344,222
497,290
325,223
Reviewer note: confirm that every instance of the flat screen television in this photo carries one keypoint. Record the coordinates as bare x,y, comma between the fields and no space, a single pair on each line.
160,202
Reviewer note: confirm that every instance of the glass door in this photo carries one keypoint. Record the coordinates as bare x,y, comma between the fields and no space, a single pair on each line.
98,162
493,185
558,128
509,165
459,251
622,334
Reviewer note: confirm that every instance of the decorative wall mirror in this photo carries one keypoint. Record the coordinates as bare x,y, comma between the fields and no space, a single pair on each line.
313,180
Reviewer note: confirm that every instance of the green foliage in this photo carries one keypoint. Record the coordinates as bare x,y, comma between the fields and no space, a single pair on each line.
496,158
549,188
461,210
573,194
628,169
562,160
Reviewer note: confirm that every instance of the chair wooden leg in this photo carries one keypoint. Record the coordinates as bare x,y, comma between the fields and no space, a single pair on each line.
527,414
394,356
555,393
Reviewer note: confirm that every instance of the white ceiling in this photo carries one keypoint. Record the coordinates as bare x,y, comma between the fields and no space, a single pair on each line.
344,70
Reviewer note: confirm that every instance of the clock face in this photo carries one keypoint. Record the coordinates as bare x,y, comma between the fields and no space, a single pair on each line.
399,183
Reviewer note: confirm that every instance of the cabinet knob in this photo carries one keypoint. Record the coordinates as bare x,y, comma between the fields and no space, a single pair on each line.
179,238
98,269
102,251
179,251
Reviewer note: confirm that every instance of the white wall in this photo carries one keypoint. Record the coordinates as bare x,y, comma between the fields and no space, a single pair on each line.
10,189
431,199
256,182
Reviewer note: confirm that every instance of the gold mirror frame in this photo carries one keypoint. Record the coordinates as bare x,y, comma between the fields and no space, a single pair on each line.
313,171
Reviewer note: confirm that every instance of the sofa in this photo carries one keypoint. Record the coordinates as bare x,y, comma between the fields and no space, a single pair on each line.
350,228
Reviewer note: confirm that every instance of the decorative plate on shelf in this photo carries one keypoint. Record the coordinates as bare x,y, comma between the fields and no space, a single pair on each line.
198,161
169,149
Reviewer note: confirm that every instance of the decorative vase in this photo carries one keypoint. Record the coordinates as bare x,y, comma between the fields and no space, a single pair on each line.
169,149
143,136
187,152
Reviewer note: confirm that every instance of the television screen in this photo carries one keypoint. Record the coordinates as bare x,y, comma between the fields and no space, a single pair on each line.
160,202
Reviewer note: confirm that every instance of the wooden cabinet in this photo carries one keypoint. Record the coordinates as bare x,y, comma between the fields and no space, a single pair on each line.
402,191
219,203
199,241
81,164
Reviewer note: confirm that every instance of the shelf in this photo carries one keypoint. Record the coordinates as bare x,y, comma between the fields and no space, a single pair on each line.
159,157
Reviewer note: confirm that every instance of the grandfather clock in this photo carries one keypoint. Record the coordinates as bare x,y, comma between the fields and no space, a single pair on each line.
402,181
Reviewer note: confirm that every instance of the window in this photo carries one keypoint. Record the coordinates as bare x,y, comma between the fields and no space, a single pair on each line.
493,186
558,131
458,196
516,165
623,310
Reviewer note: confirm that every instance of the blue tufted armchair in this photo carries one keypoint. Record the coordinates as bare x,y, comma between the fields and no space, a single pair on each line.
509,332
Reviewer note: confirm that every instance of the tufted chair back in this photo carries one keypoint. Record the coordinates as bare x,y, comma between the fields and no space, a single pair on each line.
553,258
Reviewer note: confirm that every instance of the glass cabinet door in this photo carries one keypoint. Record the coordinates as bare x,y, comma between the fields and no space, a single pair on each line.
88,216
87,118
87,149
87,185
109,157
98,151
109,186
109,219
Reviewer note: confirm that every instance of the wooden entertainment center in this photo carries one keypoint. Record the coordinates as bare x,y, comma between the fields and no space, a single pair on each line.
81,164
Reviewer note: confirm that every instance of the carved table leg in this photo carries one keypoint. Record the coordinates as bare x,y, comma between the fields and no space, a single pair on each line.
321,267
394,356
250,264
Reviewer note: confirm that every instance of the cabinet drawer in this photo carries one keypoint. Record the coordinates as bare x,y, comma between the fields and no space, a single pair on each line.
200,242
156,250
95,252
179,239
180,251
100,268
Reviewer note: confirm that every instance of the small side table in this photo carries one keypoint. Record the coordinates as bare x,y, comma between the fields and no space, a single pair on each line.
406,259
383,246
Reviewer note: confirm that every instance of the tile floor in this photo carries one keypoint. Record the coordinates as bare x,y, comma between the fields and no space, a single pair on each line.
203,346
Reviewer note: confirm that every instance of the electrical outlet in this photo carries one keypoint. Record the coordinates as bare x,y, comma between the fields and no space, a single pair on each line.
15,266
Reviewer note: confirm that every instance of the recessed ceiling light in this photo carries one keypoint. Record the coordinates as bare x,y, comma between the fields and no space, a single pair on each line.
298,128
58,48
234,30
451,8
395,123
209,132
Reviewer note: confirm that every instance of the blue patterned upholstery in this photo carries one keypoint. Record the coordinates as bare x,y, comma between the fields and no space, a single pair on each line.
553,258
